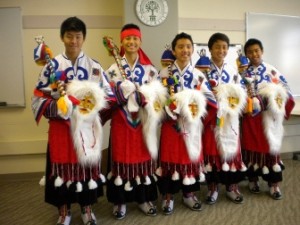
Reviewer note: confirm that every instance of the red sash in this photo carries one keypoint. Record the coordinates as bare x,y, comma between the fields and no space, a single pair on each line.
61,143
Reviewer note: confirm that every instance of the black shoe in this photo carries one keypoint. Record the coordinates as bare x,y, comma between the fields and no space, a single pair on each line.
192,203
254,187
168,206
275,192
119,211
148,208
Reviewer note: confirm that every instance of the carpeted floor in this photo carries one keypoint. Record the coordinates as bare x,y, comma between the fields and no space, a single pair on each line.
22,203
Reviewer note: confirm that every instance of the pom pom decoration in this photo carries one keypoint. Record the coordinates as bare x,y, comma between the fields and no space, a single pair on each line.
186,180
147,180
243,167
233,168
42,181
256,166
202,177
192,180
58,181
175,175
225,167
249,164
265,170
92,184
118,181
69,183
79,187
109,175
102,177
155,177
128,186
276,168
208,167
138,180
158,171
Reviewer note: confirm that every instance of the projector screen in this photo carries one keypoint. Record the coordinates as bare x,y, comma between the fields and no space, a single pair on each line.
280,36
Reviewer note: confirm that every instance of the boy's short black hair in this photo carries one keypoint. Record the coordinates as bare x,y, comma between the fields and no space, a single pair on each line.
216,37
72,24
253,41
181,36
130,26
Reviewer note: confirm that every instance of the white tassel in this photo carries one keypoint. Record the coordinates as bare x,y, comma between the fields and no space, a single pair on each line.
118,181
276,168
147,180
225,167
69,183
128,186
192,180
208,167
243,168
92,184
42,181
175,175
102,177
155,177
202,177
233,168
158,171
138,180
78,187
265,170
249,164
186,180
109,175
58,181
256,167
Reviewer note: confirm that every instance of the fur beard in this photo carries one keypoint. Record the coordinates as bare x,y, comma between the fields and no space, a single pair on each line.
227,136
274,115
87,136
154,92
189,124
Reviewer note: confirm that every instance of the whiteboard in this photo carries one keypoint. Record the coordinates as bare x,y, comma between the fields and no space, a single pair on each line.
280,36
231,57
11,58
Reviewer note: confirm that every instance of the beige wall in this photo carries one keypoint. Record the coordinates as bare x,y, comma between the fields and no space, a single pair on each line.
23,143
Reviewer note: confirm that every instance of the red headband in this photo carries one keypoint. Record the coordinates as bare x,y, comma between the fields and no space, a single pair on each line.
131,32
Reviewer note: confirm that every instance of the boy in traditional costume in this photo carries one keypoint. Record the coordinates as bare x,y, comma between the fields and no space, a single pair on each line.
221,136
262,125
70,92
134,125
180,162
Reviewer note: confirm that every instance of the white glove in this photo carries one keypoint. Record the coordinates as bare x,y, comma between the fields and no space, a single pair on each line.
256,105
127,88
170,112
132,105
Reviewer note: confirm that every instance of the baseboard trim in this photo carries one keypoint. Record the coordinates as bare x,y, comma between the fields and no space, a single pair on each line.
21,177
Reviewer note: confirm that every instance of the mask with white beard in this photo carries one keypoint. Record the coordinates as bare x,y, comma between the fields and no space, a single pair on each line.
86,128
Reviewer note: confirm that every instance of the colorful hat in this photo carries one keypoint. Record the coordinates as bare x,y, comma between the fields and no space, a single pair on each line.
242,60
167,56
203,62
